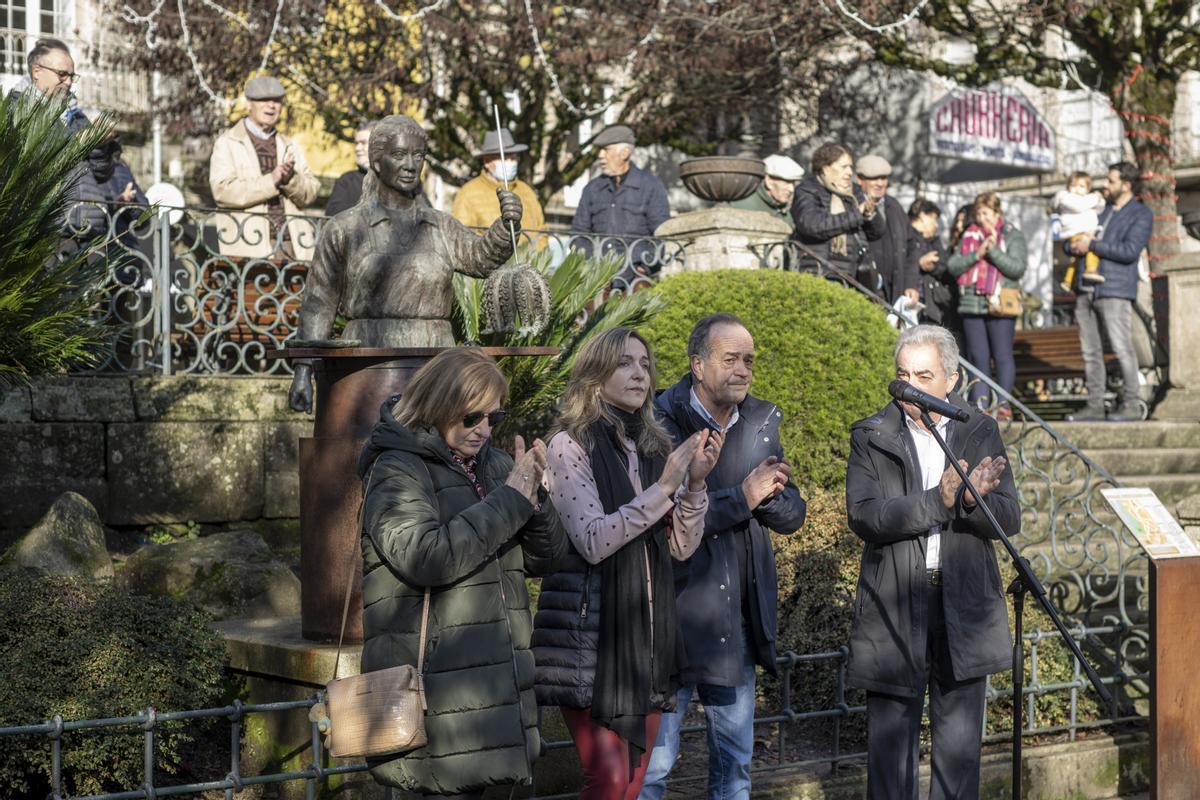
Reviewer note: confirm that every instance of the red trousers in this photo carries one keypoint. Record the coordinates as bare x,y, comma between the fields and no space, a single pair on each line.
605,756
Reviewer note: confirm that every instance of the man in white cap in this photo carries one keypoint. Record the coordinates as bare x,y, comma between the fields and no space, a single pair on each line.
476,204
774,194
265,177
874,173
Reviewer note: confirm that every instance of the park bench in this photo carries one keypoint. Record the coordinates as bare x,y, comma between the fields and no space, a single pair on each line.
1049,369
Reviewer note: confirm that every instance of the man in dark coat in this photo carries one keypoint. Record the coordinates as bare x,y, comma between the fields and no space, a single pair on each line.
1125,226
726,591
930,611
624,201
347,189
874,174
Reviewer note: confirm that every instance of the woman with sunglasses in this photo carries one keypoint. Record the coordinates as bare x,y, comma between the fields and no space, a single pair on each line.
605,632
446,511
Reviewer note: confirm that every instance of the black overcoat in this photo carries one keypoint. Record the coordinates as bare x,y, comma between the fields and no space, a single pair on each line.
892,514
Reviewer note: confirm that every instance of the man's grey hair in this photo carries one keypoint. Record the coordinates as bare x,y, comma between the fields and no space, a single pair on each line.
366,126
921,335
41,48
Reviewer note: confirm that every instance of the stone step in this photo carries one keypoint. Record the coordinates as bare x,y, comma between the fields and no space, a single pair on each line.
1119,435
1147,461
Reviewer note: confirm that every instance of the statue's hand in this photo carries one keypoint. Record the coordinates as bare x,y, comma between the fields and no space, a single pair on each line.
300,397
510,208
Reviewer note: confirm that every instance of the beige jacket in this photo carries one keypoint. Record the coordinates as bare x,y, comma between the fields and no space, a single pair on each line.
237,182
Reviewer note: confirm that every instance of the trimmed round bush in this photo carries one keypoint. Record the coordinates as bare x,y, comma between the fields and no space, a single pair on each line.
823,354
86,652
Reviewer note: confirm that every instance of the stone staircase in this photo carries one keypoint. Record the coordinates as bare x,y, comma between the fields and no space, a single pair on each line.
1164,456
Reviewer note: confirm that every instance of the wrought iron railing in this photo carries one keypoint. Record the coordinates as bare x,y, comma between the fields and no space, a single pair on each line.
196,291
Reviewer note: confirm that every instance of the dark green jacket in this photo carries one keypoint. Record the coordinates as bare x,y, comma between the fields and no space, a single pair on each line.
1011,261
424,525
761,201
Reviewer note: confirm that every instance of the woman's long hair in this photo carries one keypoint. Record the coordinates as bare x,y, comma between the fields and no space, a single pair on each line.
581,406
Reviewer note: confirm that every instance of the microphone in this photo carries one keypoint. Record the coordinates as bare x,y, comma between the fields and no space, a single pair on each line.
907,393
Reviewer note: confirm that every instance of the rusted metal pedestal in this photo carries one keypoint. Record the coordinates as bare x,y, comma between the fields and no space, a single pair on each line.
1175,690
351,385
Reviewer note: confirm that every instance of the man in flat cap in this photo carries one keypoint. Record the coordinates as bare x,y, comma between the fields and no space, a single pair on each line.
623,201
476,204
874,172
265,178
774,195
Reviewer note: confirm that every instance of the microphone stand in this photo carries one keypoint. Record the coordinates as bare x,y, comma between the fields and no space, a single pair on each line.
1025,581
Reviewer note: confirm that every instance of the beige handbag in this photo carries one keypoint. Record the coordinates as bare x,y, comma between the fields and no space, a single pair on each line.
377,713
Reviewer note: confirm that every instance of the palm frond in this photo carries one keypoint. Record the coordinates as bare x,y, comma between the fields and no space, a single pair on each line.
46,300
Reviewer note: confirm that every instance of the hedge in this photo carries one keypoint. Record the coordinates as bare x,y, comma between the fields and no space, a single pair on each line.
87,652
823,354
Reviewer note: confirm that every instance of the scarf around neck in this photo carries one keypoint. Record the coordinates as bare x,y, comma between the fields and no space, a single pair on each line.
982,275
637,658
839,245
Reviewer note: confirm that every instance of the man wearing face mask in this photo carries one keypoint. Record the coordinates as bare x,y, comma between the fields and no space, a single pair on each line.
106,183
476,205
262,174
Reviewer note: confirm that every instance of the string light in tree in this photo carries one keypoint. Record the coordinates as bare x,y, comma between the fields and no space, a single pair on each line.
900,23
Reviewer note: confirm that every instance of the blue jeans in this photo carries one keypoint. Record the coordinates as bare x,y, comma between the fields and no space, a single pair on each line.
729,717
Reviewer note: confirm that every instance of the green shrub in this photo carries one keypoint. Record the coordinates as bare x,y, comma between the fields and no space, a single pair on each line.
824,354
88,652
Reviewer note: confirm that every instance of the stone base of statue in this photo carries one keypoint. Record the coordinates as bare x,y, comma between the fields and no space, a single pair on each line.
351,385
724,237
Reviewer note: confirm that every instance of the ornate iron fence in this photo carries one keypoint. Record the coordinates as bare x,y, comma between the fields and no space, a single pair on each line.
198,291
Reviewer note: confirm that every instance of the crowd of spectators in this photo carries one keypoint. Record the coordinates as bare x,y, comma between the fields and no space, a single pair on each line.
844,223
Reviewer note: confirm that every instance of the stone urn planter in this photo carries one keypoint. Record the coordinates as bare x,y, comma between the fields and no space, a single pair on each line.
722,179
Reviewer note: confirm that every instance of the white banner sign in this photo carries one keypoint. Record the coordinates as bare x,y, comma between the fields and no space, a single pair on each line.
995,125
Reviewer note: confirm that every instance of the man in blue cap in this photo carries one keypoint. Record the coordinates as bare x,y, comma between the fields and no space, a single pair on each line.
624,201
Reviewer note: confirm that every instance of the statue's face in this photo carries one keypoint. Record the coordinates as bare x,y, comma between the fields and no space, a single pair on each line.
399,165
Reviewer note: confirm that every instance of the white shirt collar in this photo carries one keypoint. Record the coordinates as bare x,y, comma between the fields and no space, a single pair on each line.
707,417
915,425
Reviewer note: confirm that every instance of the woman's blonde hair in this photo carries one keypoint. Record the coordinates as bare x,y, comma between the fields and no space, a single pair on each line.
454,383
581,406
986,200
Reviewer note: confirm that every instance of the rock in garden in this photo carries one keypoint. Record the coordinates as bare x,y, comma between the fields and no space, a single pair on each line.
228,574
67,540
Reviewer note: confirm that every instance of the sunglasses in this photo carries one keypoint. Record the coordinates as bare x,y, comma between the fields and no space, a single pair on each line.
475,417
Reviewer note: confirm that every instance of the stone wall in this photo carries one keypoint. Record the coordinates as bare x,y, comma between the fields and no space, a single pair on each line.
148,450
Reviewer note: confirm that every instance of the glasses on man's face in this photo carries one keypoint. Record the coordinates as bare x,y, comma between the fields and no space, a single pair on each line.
63,75
494,418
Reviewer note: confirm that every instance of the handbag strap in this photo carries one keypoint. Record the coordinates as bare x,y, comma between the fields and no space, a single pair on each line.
350,587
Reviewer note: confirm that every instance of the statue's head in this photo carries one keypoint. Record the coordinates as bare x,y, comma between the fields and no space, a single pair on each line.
397,153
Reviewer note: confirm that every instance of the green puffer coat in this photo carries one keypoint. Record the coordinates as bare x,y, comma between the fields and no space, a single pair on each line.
1011,260
424,525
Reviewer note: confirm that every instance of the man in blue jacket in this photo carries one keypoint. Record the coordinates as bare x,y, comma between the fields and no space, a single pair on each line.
1125,227
726,591
624,201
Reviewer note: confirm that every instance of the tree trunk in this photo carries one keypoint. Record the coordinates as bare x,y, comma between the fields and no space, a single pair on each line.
1146,103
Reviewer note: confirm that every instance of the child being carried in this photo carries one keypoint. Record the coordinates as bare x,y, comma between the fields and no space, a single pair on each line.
1078,209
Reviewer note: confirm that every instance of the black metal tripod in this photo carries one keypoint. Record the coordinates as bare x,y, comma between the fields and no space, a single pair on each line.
1025,581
